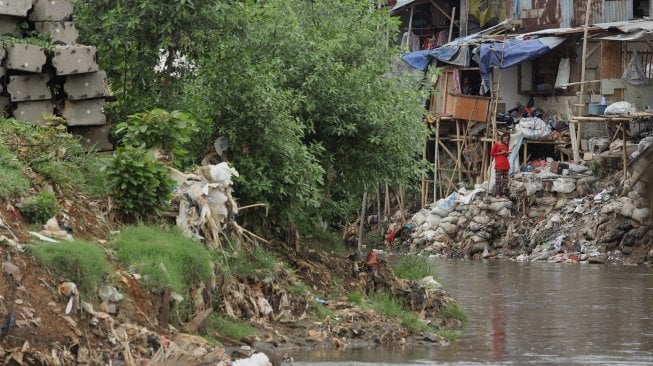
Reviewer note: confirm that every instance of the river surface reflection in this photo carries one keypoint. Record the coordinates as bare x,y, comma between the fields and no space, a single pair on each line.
533,314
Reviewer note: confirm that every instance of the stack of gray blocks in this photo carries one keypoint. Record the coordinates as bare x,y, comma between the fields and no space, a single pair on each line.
30,73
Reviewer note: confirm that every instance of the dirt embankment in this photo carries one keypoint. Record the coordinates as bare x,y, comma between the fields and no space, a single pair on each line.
38,327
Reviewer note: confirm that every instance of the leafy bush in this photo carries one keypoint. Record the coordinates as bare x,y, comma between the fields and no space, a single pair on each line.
158,128
413,267
140,185
78,261
239,262
321,312
164,257
298,289
227,328
40,208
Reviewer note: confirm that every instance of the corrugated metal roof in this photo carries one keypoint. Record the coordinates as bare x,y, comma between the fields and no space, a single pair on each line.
401,3
629,26
612,10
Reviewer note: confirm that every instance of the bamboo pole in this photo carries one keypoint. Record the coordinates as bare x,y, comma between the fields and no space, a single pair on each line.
386,206
453,14
625,155
459,154
362,221
436,160
583,65
378,207
410,27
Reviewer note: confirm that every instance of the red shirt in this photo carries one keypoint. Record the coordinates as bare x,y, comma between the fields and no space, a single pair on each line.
500,161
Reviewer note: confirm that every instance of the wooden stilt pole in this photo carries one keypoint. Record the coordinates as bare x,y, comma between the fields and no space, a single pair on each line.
378,207
625,155
362,221
386,206
583,65
459,155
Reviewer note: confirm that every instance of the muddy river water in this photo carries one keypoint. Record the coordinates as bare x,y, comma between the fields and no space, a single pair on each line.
532,314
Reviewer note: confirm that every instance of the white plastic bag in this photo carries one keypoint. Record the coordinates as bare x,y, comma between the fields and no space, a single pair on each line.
620,108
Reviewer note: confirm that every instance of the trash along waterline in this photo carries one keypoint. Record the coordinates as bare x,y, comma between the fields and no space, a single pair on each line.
532,313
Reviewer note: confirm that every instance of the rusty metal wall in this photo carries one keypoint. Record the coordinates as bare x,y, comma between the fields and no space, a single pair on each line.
613,11
543,14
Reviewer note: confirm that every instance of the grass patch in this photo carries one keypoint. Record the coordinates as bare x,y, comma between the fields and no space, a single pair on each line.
386,304
453,312
413,267
239,262
321,312
391,307
164,257
227,328
411,322
355,298
13,182
78,261
298,289
327,241
373,239
449,334
40,208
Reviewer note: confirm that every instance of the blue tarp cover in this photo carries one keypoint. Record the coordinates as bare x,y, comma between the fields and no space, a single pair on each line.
513,52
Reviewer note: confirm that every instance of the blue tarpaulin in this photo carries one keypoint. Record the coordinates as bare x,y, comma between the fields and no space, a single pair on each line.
454,53
513,52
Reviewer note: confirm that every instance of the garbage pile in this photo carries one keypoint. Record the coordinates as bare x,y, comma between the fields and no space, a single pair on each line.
555,218
205,201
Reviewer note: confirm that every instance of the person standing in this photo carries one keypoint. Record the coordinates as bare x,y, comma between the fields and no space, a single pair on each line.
500,151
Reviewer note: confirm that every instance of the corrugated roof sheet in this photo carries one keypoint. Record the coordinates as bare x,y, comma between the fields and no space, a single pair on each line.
629,26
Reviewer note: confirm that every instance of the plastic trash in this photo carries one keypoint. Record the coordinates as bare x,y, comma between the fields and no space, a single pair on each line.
109,293
620,108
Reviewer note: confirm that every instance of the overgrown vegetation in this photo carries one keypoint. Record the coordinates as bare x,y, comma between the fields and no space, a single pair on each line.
321,312
40,208
413,267
227,328
164,257
78,261
54,154
140,185
308,127
328,241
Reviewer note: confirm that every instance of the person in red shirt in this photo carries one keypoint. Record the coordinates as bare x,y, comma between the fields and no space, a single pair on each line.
500,151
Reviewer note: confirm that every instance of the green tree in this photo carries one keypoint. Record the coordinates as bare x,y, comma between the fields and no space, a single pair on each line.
132,35
312,100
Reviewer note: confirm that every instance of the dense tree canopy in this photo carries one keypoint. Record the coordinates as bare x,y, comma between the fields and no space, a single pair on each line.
312,98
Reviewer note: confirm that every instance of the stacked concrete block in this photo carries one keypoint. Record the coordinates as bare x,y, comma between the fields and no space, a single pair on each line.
25,57
8,24
29,87
63,80
17,8
61,32
51,10
69,60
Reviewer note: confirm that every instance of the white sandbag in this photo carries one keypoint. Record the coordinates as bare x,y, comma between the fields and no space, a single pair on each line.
448,228
620,108
498,206
504,212
533,128
641,214
564,185
483,220
449,220
533,187
418,219
433,221
429,235
546,201
627,209
475,226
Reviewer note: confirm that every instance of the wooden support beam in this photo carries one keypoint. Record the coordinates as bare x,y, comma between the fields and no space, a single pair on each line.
625,155
362,221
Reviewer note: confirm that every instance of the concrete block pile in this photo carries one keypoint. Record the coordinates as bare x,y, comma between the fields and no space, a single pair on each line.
63,79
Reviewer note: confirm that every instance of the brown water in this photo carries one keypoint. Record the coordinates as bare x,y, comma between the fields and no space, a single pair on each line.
535,314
